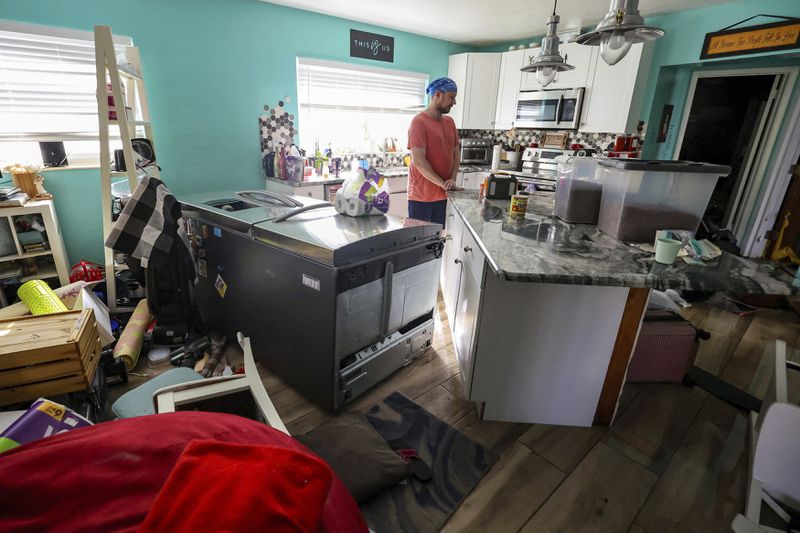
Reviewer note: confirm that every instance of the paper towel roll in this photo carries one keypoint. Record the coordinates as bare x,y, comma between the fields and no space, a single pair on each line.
496,149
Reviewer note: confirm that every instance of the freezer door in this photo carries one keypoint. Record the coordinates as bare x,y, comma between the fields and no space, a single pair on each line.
368,313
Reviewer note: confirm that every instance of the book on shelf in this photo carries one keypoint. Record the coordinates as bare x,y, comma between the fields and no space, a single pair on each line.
30,238
5,192
16,199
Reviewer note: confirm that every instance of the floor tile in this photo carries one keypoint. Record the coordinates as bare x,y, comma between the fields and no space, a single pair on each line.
513,489
603,494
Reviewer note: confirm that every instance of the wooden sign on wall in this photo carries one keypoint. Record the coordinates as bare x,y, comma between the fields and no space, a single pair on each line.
783,35
371,46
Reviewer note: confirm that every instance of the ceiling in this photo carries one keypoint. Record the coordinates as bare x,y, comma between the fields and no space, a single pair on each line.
479,22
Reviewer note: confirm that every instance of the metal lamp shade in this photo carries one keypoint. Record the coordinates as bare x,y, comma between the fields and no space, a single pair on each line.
623,17
549,61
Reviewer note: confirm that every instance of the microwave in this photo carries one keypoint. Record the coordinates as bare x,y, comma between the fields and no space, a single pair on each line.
555,110
476,151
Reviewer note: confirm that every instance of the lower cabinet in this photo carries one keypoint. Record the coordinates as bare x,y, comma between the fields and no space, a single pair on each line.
468,302
451,270
312,191
527,351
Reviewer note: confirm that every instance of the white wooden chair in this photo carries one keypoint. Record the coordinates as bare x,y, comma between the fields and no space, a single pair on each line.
168,399
774,451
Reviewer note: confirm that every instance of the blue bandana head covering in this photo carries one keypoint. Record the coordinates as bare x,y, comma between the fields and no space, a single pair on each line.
442,85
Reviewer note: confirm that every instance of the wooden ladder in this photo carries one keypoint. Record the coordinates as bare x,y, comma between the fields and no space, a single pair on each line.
132,119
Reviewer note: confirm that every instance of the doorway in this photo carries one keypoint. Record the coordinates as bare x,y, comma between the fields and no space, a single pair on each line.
732,117
726,122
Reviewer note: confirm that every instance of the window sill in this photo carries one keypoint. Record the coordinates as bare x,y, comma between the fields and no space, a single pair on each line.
70,167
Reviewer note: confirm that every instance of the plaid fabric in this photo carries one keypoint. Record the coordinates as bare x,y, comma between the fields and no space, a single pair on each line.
147,227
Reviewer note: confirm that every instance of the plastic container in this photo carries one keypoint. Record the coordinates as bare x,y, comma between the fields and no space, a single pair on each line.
642,196
295,166
578,190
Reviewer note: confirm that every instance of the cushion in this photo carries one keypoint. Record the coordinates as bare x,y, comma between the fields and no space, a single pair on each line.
139,401
358,454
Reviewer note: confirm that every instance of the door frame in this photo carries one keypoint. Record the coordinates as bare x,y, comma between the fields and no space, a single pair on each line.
759,165
769,208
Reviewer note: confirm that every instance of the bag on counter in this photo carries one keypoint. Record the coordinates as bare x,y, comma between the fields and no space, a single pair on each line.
364,193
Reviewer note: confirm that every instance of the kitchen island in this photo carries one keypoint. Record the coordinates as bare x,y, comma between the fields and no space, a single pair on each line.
545,314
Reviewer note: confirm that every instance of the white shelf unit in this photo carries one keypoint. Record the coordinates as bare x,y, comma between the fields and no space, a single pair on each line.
130,102
46,210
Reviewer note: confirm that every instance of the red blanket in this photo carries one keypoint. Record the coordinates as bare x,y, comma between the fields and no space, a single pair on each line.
108,477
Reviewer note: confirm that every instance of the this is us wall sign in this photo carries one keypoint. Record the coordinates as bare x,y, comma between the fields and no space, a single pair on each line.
371,46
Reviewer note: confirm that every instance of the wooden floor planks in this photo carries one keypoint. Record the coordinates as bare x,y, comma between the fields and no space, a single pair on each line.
675,459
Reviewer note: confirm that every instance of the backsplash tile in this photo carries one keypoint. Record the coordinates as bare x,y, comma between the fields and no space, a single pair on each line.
526,137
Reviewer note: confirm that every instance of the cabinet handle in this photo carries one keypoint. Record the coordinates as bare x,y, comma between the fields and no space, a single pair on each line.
467,248
457,261
448,238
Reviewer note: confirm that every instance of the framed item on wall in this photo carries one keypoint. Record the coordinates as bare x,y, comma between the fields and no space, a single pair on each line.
727,42
371,46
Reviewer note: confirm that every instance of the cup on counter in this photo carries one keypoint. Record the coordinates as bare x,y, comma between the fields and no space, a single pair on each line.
667,250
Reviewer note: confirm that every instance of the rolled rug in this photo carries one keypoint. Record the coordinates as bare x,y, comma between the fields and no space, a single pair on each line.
130,342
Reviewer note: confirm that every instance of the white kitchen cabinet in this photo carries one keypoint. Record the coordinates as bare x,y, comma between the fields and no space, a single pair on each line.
398,204
508,89
468,302
579,56
312,191
451,270
613,97
476,75
527,352
471,181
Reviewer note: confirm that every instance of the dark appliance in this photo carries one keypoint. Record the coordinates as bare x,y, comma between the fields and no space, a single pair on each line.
501,187
53,154
476,151
332,304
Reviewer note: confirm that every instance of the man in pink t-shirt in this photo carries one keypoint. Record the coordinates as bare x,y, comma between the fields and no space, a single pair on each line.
435,154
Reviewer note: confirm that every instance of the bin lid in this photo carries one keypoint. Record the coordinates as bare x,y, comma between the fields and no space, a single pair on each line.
655,165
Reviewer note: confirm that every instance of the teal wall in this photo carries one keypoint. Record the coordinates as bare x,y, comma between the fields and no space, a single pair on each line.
210,67
677,55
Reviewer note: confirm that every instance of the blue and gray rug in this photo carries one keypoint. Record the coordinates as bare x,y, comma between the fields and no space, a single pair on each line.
458,464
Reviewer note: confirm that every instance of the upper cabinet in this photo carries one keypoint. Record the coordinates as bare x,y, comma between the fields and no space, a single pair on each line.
508,88
613,97
579,56
476,75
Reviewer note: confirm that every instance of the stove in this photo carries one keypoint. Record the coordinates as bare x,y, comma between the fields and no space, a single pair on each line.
542,162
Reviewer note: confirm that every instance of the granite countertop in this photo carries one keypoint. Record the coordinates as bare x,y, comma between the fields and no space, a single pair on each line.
543,248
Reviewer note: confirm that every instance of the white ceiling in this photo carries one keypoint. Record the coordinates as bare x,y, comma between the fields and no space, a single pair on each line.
479,22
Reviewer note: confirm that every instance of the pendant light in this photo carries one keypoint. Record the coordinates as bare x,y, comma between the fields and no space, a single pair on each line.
548,62
622,27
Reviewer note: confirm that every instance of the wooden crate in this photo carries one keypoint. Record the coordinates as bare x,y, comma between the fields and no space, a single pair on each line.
46,355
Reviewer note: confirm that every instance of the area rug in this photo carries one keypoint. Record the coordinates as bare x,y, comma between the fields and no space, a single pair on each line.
457,462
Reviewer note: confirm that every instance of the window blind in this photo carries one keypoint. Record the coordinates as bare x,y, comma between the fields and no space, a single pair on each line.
47,86
329,85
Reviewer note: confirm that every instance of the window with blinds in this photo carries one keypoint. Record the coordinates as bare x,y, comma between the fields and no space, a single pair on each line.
47,91
354,108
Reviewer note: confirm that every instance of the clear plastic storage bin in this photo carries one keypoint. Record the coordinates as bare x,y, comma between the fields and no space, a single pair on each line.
578,190
640,196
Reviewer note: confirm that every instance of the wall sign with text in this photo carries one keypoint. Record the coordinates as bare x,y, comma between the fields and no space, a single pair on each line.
783,35
371,46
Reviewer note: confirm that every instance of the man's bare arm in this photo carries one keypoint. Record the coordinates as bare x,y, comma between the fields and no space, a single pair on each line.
418,156
456,162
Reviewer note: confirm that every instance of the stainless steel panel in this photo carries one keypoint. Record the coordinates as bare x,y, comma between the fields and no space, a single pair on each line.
337,240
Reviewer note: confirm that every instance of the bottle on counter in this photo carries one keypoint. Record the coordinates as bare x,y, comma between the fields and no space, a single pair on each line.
277,163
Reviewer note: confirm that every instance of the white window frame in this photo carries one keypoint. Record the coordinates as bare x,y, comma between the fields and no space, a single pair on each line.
75,159
410,111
